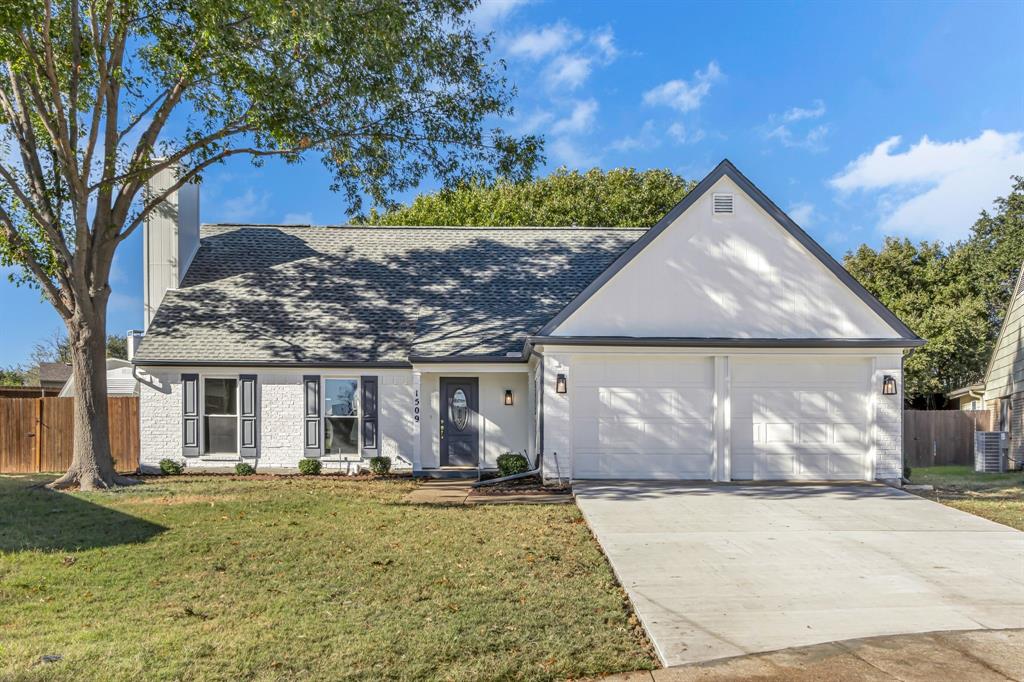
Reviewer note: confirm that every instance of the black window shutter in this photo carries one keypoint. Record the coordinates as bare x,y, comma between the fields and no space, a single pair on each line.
311,418
371,447
190,415
249,415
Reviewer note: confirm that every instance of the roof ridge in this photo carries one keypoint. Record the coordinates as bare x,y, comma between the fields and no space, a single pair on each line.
516,228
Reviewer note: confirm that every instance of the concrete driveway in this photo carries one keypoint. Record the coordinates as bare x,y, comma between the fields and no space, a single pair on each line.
716,571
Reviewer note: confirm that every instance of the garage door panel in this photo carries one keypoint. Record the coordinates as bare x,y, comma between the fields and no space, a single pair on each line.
643,418
807,418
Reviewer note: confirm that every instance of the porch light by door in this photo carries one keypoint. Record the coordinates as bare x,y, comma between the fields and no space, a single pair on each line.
561,385
888,385
508,396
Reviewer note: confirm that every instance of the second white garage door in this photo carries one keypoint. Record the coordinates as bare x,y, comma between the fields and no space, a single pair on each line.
800,418
643,418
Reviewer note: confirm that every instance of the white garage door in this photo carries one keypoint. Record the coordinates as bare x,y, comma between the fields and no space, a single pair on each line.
643,418
800,419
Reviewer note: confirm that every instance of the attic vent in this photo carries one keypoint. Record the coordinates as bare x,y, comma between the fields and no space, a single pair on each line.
721,203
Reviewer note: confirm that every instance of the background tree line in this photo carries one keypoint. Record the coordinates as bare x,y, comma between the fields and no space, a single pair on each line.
955,295
56,348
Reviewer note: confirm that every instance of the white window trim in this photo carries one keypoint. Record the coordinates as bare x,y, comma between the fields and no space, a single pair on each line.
219,456
324,455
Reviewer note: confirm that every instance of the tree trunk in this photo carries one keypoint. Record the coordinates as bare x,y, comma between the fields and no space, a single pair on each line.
92,466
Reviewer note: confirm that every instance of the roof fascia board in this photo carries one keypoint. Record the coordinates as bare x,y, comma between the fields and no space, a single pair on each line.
708,342
726,168
382,364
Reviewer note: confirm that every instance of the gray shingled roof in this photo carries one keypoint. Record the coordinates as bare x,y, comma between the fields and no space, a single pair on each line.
285,294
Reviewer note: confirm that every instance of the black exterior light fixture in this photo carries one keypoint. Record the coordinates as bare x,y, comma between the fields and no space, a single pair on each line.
561,385
888,385
508,396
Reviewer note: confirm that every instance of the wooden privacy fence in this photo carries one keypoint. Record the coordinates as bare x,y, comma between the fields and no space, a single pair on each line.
941,437
37,434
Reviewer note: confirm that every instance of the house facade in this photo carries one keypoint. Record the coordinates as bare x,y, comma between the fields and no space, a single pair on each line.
1001,391
722,344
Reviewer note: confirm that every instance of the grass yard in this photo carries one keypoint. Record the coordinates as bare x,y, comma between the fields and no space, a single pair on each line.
999,497
291,578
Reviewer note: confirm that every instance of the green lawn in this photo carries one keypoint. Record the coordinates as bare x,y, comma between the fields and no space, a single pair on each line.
288,578
999,497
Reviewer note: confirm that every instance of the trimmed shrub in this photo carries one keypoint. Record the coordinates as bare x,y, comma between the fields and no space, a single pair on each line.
309,467
380,465
906,472
169,467
245,469
512,463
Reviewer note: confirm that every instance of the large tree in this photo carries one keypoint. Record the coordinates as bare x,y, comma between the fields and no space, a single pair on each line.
97,96
955,296
622,197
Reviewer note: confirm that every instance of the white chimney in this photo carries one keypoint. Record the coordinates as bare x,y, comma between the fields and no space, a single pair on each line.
134,338
170,239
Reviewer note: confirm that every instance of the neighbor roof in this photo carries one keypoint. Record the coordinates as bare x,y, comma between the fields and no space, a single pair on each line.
371,295
54,372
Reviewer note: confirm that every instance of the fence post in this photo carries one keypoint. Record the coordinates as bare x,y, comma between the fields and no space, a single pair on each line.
38,445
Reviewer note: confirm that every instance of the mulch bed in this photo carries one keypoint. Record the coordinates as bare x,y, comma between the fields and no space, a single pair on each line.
522,486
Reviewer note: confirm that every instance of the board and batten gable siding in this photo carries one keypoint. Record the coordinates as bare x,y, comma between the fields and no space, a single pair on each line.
725,276
281,416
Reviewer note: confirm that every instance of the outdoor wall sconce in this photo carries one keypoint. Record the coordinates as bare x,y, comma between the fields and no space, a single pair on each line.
561,385
508,396
888,385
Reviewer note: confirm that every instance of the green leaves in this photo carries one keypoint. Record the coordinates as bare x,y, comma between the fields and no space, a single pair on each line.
954,297
622,197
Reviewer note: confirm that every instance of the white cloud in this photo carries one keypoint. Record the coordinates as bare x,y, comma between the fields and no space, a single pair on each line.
534,122
683,95
604,41
244,207
780,127
567,152
677,131
543,42
645,139
813,140
579,121
490,13
799,113
298,218
802,213
567,71
935,189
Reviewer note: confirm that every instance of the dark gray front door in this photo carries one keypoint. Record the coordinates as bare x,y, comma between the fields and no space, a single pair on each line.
460,430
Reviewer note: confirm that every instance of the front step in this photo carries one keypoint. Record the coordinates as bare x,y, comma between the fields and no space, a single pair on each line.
463,473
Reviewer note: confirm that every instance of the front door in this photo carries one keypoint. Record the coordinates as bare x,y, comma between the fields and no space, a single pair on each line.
460,430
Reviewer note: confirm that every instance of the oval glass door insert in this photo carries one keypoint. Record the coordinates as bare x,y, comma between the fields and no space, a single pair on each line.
459,410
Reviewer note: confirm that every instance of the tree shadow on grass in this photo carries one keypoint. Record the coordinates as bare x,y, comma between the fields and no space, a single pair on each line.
34,518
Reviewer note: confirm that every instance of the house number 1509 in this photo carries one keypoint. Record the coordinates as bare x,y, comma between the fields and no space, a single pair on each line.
416,406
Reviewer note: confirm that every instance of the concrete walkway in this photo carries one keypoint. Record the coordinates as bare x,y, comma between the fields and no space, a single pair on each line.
979,656
720,571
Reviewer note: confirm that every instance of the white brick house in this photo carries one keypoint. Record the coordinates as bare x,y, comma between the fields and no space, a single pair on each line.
721,344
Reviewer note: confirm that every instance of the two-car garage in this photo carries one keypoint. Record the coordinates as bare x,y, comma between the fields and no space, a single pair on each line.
786,417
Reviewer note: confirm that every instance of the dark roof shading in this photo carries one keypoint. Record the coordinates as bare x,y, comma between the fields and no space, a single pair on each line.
336,295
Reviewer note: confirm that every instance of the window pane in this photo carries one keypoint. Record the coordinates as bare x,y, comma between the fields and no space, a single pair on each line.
221,434
220,396
340,397
341,436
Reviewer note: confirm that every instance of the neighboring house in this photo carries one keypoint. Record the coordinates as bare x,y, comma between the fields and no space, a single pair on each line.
120,380
721,344
1002,388
53,375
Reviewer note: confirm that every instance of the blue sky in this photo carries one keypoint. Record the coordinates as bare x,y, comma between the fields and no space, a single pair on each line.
859,119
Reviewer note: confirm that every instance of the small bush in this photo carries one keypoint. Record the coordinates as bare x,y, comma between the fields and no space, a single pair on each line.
309,467
512,463
169,467
245,469
906,473
380,465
